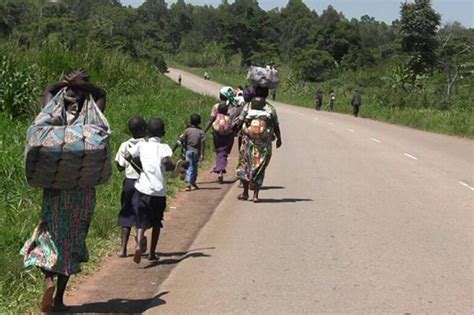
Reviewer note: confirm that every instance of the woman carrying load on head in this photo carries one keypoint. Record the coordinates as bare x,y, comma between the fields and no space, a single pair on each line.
260,127
58,244
223,135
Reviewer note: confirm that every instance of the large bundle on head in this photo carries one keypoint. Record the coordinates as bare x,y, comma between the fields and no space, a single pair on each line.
59,155
265,77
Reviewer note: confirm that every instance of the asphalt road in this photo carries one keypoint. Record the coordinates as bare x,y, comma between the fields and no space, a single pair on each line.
357,216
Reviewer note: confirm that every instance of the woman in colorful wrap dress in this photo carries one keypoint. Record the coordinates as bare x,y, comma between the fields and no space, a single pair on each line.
260,127
58,244
223,143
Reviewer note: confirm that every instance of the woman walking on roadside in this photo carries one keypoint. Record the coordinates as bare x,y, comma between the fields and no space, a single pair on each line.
58,245
260,127
223,135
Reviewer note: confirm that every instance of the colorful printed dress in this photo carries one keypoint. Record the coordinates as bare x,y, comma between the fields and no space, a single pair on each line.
58,243
256,149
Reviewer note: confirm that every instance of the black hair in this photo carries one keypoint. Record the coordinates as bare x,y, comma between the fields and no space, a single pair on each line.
222,108
248,93
261,91
240,87
156,127
195,119
258,103
222,97
137,126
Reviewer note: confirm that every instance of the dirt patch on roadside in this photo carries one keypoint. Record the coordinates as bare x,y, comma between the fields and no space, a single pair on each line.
121,286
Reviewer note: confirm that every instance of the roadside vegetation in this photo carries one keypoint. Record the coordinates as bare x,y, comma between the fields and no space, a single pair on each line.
407,74
134,88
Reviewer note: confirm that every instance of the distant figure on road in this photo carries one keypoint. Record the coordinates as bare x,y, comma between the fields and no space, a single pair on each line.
356,102
274,94
332,99
206,76
319,100
180,79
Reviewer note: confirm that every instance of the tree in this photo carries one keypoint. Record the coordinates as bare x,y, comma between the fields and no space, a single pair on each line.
313,65
419,24
454,52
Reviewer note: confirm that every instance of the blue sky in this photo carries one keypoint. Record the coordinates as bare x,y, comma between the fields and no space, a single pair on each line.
385,10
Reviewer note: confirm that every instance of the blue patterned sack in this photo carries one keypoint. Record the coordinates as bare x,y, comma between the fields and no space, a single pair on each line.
59,155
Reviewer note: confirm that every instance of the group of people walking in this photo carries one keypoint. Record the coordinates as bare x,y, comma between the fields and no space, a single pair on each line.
356,101
58,244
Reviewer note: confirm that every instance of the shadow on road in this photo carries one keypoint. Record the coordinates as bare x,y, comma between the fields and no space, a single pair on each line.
272,187
284,200
123,306
181,256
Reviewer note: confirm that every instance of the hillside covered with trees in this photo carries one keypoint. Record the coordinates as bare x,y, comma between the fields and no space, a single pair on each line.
413,63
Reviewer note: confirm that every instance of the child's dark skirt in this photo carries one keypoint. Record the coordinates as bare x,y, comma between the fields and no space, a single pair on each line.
127,217
149,210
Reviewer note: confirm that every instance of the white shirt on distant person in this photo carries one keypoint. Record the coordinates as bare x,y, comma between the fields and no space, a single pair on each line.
125,147
152,153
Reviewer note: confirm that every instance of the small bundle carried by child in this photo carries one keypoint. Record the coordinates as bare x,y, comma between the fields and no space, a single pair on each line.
67,150
267,77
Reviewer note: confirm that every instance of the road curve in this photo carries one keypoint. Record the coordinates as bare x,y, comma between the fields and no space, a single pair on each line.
358,216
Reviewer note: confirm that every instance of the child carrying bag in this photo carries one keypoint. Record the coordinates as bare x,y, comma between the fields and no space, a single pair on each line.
67,151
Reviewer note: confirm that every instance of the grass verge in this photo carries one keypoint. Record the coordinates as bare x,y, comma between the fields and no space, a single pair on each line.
133,89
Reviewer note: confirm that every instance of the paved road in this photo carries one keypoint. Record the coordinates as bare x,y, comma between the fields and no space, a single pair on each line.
358,216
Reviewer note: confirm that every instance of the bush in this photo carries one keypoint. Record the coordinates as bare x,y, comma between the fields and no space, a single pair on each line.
313,65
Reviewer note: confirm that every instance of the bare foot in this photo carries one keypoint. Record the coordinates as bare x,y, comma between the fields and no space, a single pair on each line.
243,197
137,256
48,294
153,257
121,254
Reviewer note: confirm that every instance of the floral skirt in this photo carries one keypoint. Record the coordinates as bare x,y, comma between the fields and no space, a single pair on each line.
254,158
58,243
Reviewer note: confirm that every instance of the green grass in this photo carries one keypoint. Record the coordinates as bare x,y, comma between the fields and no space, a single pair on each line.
426,109
133,89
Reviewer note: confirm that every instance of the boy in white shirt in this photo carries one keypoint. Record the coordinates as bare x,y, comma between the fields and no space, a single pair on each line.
150,198
127,218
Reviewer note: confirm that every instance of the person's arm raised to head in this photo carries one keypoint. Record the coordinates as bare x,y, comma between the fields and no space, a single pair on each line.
52,90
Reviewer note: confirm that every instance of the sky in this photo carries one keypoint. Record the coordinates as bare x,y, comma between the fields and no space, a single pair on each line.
383,10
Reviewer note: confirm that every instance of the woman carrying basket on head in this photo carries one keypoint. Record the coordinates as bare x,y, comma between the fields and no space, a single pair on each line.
58,245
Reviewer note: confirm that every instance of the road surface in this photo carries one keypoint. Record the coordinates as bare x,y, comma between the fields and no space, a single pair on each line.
357,216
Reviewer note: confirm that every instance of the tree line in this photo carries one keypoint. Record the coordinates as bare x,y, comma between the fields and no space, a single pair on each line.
315,45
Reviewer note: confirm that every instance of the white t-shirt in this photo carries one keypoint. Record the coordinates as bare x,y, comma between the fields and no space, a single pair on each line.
120,157
152,153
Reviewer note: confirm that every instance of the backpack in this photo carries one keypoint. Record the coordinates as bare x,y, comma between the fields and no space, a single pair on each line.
222,125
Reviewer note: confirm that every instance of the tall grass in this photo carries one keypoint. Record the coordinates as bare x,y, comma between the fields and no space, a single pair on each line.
133,89
426,108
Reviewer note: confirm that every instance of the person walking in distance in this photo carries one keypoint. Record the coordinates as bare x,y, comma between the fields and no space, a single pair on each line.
332,99
356,102
319,100
180,78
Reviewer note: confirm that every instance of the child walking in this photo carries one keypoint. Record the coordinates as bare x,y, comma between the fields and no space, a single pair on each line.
150,198
192,141
127,218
